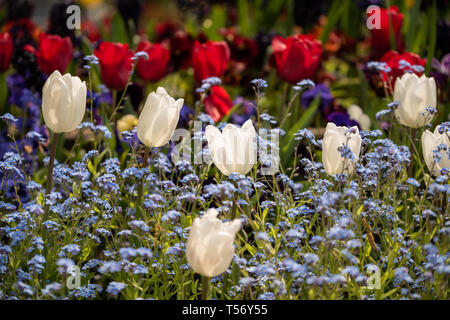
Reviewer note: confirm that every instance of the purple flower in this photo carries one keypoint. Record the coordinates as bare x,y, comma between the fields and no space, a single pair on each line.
325,97
342,119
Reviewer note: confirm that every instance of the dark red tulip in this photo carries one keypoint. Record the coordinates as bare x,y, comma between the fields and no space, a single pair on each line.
400,63
91,30
393,59
296,57
54,53
217,103
380,38
209,59
242,49
178,41
397,64
6,51
155,67
115,64
165,30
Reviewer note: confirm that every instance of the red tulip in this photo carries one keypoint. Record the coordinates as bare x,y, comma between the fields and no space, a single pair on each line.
414,64
155,67
115,64
393,58
6,51
398,64
54,53
296,57
242,49
209,59
91,30
380,38
217,103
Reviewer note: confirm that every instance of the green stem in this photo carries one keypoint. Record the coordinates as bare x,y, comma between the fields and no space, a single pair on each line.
51,163
205,287
144,165
288,110
233,210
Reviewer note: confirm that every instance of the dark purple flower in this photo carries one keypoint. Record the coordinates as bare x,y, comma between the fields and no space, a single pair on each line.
244,113
341,119
186,115
325,95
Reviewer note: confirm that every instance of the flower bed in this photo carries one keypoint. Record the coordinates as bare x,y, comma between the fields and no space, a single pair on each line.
228,152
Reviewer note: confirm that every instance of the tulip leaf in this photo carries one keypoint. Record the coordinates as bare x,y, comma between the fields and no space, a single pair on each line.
412,25
3,92
243,19
118,29
289,141
384,296
432,22
217,20
334,13
235,273
226,117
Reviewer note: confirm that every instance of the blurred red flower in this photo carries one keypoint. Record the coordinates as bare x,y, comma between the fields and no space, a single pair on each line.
6,51
178,41
296,57
115,64
210,59
217,103
397,64
54,53
91,30
155,67
380,38
242,49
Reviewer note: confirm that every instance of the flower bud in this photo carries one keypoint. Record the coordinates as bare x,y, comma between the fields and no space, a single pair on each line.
210,244
336,146
159,118
63,102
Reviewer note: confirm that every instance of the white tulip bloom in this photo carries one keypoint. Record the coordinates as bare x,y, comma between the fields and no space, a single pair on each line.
436,141
210,244
355,113
233,149
63,102
414,95
337,137
159,118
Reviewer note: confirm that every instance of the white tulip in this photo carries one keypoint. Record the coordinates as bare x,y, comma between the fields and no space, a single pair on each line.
210,244
63,102
414,95
233,149
334,138
430,142
159,118
356,113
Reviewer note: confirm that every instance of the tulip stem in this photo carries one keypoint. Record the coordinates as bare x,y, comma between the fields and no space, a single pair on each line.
144,165
233,210
288,110
51,163
205,287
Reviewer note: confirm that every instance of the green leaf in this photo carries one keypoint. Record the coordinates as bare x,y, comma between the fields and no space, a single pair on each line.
412,25
235,273
228,115
118,29
289,142
218,19
387,294
3,92
432,36
334,13
243,19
